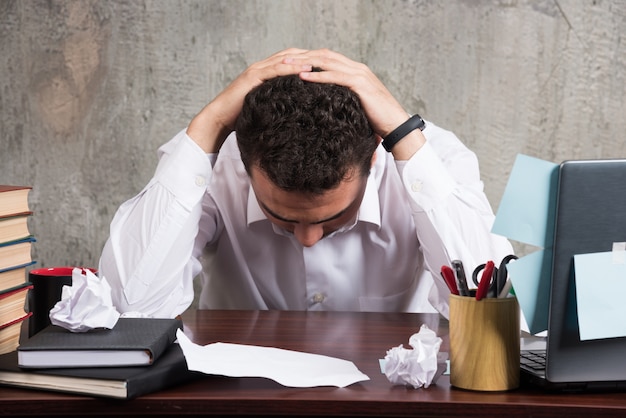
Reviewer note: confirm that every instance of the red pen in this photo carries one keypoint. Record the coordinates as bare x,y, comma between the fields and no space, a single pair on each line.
485,280
448,276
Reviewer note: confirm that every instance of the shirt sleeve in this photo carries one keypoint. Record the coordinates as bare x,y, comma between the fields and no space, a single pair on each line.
452,214
149,258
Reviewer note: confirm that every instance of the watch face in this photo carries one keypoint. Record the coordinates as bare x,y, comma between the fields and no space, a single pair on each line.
420,122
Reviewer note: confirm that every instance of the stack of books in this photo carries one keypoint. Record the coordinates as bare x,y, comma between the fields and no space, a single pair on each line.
136,357
15,257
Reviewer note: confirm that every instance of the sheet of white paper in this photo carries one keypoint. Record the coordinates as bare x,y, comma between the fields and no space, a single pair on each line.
600,284
289,368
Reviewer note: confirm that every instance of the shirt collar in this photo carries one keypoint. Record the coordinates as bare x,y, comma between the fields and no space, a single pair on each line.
255,213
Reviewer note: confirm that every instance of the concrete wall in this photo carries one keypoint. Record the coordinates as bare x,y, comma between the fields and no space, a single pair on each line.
89,89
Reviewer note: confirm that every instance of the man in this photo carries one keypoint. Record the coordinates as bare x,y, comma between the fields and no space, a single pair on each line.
301,207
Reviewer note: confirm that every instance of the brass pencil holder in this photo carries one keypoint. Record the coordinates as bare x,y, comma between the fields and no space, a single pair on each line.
484,343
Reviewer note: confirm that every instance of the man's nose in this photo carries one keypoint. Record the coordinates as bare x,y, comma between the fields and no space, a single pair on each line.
308,235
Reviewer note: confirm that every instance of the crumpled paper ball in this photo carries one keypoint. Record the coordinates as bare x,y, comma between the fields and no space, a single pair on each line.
86,304
416,367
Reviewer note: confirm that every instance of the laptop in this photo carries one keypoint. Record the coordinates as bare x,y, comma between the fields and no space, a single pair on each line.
590,217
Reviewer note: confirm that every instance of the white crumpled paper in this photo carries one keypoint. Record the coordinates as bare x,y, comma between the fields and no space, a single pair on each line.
418,366
86,304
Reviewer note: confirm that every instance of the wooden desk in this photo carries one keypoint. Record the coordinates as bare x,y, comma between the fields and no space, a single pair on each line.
359,337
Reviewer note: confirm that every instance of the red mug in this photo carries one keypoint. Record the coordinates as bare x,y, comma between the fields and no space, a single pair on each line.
47,288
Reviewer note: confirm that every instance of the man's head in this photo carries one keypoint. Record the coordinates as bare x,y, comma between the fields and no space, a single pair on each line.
308,149
305,137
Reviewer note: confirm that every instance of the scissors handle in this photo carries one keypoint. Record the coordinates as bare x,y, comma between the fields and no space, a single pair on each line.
503,275
485,280
480,268
476,272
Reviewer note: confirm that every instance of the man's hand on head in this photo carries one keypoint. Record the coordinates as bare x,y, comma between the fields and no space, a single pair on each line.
383,111
216,120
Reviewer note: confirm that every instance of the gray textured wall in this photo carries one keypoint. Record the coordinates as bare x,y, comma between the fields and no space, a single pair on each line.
89,89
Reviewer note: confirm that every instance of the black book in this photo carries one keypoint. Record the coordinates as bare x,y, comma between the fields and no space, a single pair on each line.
108,382
131,342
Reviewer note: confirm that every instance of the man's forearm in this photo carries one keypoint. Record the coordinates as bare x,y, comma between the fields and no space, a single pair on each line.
408,146
206,130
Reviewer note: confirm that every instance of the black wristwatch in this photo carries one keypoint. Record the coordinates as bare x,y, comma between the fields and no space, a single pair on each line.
414,122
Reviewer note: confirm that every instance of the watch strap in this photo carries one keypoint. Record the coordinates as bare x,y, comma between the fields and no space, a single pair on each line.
414,122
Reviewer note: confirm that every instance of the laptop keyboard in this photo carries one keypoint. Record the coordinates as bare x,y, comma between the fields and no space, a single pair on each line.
533,359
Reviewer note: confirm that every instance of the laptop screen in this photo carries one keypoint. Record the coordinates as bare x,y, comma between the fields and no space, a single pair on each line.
590,217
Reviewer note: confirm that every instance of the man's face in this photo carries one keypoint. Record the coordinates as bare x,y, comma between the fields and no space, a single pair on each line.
309,217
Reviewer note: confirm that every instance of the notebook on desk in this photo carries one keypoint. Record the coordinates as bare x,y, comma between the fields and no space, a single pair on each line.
590,217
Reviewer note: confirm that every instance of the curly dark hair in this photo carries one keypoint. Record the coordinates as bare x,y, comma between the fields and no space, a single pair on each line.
304,136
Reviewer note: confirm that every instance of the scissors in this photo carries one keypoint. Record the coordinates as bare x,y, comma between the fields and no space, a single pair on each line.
502,274
487,281
487,284
498,278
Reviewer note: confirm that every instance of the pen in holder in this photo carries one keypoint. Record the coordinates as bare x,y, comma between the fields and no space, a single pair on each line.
484,343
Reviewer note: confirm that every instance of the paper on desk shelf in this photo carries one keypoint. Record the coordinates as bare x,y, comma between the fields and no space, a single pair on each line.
416,367
86,304
289,368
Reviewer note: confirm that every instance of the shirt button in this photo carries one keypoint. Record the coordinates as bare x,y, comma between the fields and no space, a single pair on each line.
416,186
318,298
200,181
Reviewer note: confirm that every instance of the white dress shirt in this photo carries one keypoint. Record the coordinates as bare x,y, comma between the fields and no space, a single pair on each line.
199,216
